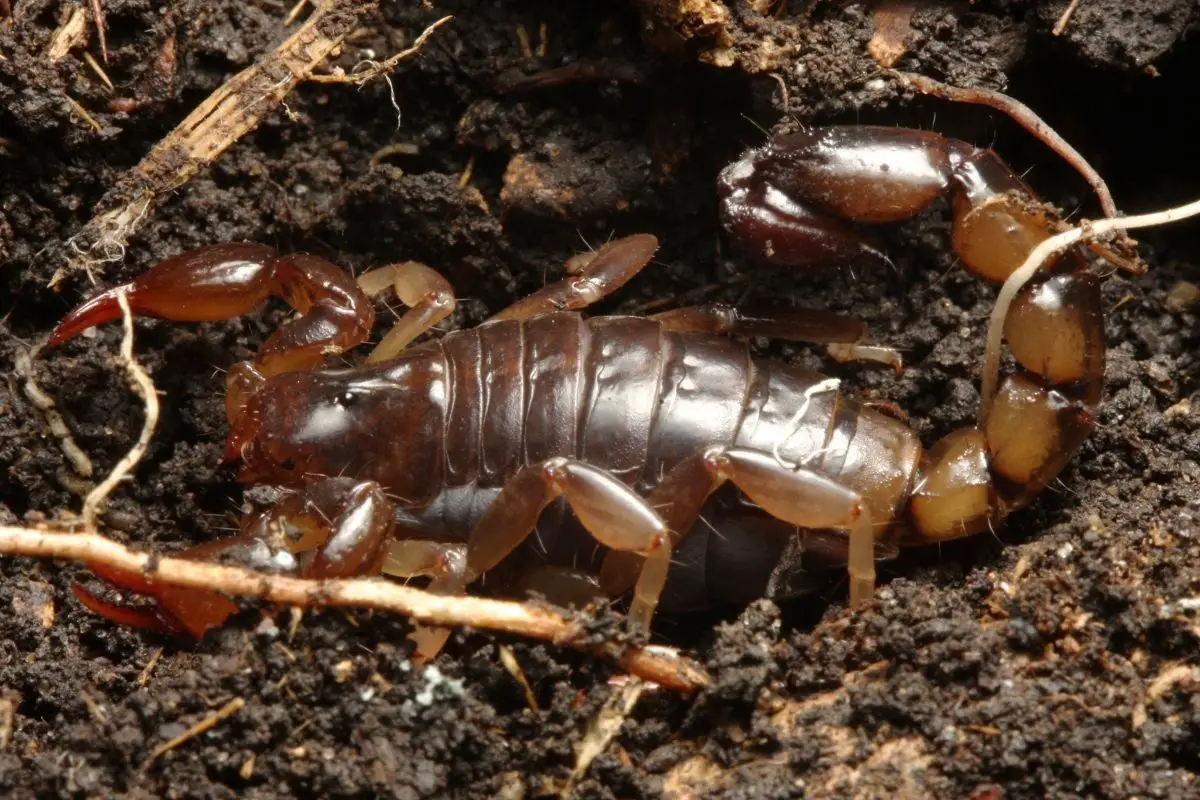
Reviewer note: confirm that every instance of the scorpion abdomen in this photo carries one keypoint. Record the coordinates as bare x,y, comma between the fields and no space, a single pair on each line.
633,398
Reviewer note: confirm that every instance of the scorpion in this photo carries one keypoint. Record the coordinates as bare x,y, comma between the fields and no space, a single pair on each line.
627,456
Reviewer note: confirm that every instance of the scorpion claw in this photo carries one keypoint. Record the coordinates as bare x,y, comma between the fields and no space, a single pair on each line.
100,309
172,610
147,619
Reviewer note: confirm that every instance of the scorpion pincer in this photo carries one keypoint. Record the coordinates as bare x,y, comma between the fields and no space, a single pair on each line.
693,473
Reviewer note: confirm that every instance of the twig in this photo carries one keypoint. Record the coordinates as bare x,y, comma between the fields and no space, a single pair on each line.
1061,25
674,672
8,714
148,670
230,112
82,112
509,660
70,34
1055,244
378,68
203,726
90,60
145,387
295,13
98,14
1027,118
523,41
603,728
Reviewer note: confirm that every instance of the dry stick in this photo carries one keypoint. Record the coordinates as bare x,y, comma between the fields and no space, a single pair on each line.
98,14
606,725
1055,244
70,34
1027,118
1061,26
203,726
673,672
226,115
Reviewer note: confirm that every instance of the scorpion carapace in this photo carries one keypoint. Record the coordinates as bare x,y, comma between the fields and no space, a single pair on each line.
705,474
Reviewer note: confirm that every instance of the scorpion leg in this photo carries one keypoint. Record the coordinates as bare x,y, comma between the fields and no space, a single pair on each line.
840,333
800,496
428,295
598,276
415,558
608,509
445,563
611,512
226,280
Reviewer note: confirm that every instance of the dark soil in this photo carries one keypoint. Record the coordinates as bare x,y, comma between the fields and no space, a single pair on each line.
1051,660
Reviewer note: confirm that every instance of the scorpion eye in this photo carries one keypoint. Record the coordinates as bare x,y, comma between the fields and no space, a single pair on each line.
346,399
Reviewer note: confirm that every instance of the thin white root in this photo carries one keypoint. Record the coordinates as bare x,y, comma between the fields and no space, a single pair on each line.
145,387
1052,246
44,403
380,69
375,69
673,672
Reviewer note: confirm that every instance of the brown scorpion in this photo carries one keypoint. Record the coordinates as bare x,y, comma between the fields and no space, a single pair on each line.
705,475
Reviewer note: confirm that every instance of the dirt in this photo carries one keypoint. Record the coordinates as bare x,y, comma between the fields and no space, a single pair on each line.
1054,659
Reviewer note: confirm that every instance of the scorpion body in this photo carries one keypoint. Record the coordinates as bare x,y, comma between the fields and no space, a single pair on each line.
670,446
625,395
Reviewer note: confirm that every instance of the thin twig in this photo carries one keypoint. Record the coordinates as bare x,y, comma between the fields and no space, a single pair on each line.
203,726
1055,244
90,60
513,667
606,724
84,115
673,672
144,676
1061,25
98,15
1027,118
8,715
145,387
295,13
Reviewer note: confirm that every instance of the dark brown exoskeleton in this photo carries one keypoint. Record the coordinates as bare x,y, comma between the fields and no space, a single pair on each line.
460,458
